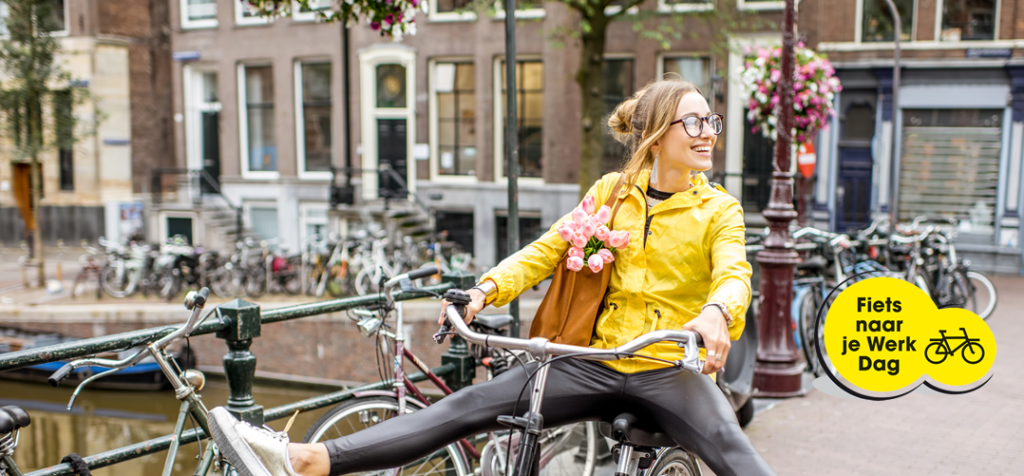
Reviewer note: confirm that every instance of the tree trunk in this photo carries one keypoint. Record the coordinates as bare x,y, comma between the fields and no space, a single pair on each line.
590,77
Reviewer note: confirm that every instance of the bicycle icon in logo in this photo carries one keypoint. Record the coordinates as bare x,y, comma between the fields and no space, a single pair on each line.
939,349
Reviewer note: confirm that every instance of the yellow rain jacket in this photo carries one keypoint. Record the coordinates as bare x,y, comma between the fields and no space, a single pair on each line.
694,255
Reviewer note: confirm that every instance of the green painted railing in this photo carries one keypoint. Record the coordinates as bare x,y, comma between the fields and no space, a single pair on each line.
238,322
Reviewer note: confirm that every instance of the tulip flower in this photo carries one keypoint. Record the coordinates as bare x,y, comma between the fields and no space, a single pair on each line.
588,204
606,255
575,252
618,239
579,216
604,214
565,232
596,263
587,230
574,263
578,240
602,233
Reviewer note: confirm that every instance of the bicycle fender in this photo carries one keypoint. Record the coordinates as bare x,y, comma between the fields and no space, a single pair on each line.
385,393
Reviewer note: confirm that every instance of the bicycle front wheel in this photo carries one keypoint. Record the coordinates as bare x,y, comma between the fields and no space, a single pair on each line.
361,413
570,450
675,462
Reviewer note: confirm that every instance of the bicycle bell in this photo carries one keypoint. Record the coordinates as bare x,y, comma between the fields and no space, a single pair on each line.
194,378
369,326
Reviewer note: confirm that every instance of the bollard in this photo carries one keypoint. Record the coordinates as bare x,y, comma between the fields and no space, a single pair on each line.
243,324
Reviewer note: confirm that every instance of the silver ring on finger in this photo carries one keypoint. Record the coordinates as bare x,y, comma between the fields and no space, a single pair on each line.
718,358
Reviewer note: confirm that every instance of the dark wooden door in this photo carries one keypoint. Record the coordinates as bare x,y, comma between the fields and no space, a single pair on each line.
211,151
853,189
392,151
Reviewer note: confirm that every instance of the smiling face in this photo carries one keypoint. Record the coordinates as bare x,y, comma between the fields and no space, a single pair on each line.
680,151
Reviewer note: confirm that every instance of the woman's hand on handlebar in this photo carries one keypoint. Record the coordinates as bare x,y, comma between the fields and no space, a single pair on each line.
476,305
711,326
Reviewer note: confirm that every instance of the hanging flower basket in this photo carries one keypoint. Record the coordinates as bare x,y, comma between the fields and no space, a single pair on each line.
814,85
394,18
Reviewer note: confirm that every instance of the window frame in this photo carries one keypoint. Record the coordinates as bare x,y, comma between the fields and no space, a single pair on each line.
434,121
499,11
195,105
371,57
858,28
305,219
187,24
310,16
499,121
241,20
248,205
300,122
445,17
55,33
702,55
939,4
760,6
243,127
664,7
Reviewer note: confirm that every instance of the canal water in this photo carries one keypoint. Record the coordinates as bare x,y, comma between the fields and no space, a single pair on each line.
103,420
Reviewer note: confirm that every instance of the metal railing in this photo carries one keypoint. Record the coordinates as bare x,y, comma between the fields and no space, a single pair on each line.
238,322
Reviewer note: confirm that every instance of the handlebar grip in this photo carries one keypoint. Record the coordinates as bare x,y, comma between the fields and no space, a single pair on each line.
458,298
423,272
204,294
699,339
61,374
442,333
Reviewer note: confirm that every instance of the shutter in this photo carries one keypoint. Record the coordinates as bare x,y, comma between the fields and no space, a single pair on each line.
951,171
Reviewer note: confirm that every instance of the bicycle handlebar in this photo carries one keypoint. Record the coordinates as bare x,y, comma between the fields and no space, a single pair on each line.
541,347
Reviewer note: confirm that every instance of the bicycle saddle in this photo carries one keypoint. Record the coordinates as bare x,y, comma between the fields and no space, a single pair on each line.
13,418
493,321
628,429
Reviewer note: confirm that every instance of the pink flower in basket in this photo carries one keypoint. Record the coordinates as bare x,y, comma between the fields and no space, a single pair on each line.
588,234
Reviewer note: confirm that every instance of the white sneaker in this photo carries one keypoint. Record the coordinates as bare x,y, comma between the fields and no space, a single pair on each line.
252,451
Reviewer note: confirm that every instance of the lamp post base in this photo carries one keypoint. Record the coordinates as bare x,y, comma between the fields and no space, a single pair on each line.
778,379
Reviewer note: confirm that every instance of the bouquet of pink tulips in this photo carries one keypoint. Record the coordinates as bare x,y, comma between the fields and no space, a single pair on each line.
590,238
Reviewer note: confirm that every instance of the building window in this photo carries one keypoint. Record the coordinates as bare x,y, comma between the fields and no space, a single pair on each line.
618,85
760,4
202,125
313,221
315,109
258,114
877,23
455,97
198,13
390,85
758,153
681,6
968,20
55,23
246,14
64,129
529,231
524,9
263,221
301,13
950,167
529,115
693,69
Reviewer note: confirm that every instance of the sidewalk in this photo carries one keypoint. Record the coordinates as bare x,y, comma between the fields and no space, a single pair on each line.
979,433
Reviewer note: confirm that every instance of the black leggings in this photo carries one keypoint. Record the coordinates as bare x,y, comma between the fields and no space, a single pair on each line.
689,407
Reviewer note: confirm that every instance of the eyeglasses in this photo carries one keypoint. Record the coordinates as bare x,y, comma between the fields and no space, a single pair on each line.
694,125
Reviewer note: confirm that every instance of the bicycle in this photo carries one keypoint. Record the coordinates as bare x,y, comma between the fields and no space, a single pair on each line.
91,271
369,408
942,349
638,447
12,420
186,384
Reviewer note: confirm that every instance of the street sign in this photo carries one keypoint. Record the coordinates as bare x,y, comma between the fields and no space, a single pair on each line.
806,159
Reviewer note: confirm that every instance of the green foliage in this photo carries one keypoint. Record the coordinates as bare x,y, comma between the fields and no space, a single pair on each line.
33,81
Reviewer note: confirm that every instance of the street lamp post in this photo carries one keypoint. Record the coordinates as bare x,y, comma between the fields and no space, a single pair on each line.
778,371
512,146
893,163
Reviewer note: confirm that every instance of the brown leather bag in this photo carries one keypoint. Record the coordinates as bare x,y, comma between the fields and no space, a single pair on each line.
570,308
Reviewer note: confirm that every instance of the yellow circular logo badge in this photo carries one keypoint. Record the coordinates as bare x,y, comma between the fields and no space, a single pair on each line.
885,335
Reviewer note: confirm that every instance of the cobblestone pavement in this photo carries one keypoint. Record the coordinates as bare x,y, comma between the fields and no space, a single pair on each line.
979,433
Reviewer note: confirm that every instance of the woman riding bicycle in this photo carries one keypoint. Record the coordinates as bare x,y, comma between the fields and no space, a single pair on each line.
684,268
